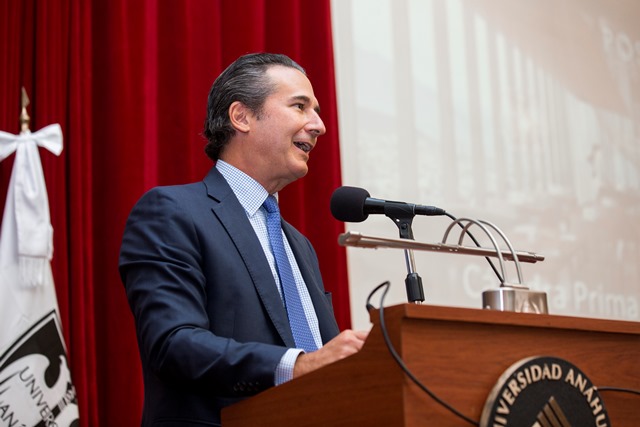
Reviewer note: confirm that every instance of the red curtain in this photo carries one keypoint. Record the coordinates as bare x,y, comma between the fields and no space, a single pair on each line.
128,82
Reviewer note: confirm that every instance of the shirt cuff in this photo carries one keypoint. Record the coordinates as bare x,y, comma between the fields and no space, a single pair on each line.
284,370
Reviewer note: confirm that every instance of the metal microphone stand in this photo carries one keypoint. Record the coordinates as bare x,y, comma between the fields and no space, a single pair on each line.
508,297
403,216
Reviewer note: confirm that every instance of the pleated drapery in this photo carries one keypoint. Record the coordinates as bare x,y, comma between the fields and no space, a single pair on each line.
128,82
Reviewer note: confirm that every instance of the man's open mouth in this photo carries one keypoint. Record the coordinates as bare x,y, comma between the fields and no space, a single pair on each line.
304,146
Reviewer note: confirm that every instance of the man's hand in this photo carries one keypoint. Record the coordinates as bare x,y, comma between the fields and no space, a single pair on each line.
348,342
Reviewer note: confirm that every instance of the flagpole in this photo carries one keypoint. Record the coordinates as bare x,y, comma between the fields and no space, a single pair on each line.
24,116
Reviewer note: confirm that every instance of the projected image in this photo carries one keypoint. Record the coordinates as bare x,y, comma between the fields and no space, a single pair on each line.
523,114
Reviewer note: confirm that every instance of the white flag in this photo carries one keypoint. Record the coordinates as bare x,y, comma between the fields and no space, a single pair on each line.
35,380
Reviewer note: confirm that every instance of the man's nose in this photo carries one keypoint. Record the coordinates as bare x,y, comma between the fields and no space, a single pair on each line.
316,125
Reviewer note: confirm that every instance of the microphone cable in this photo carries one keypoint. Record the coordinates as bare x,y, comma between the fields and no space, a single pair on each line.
400,362
412,377
619,390
493,267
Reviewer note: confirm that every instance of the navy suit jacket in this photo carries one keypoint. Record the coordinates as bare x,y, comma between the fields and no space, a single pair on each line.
210,323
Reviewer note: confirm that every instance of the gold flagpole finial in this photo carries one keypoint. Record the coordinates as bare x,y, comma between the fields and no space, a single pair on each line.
24,117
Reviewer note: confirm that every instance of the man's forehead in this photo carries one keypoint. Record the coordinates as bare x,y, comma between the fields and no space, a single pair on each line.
292,84
288,77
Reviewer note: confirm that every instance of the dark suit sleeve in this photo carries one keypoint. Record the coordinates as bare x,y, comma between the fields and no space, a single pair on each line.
171,272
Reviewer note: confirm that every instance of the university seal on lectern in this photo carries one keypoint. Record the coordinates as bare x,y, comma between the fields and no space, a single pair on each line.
544,391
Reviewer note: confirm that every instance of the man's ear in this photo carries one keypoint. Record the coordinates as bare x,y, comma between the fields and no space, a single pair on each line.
239,116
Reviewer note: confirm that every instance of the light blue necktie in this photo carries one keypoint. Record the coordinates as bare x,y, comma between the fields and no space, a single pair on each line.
297,319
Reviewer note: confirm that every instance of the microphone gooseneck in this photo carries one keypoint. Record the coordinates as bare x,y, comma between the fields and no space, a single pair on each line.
354,204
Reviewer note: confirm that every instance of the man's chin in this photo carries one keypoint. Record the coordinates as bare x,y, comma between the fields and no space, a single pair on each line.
301,170
294,175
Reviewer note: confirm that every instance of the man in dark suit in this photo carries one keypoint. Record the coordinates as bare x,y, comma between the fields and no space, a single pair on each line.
200,271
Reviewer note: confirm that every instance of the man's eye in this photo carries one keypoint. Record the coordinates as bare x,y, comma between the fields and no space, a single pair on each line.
299,106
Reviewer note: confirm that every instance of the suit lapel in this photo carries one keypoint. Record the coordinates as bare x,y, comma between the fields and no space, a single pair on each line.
232,216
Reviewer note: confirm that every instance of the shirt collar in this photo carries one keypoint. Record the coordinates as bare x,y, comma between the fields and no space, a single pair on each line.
249,192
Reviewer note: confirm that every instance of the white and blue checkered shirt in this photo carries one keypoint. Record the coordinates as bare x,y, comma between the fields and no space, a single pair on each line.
251,196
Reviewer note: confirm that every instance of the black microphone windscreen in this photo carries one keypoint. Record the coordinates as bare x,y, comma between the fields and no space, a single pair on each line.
347,204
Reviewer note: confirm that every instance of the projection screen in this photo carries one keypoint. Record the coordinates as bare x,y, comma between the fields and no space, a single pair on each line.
522,113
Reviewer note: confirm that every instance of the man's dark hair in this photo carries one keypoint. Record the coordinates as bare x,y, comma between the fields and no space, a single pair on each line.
245,80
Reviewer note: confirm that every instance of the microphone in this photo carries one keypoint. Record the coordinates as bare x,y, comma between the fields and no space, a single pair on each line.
353,204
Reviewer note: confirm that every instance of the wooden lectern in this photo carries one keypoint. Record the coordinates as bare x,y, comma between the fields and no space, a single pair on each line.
457,353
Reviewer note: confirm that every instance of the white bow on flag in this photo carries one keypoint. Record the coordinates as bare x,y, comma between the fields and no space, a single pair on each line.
27,206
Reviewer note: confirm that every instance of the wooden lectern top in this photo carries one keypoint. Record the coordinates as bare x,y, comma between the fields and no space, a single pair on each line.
459,354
